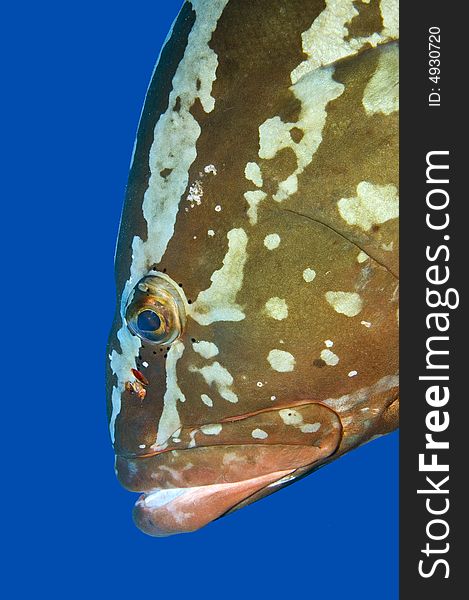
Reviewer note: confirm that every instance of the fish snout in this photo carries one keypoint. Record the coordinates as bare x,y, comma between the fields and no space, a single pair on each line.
136,426
141,355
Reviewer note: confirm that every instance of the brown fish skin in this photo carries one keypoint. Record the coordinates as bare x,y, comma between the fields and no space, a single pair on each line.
268,197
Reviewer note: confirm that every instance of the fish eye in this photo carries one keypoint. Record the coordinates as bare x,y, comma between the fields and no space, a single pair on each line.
148,320
155,310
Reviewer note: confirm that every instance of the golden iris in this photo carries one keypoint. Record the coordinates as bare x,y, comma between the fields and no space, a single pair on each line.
155,310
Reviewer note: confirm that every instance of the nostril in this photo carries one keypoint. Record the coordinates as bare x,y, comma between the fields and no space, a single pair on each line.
140,376
137,388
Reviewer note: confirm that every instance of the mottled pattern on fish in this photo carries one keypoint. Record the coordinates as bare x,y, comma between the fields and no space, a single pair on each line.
264,187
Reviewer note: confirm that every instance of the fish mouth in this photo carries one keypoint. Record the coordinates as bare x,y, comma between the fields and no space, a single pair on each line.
184,490
222,467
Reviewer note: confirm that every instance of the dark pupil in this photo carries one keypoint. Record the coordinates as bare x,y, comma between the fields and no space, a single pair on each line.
148,320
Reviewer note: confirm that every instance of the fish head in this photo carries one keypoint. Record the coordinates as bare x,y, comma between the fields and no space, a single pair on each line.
245,365
255,337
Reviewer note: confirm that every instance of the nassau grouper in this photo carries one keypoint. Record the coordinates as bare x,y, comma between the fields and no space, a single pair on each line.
256,331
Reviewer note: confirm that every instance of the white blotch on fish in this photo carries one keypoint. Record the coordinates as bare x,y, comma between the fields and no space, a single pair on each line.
281,361
272,241
276,308
345,303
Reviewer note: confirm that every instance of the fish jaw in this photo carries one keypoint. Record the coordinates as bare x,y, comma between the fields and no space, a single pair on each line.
182,510
185,489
